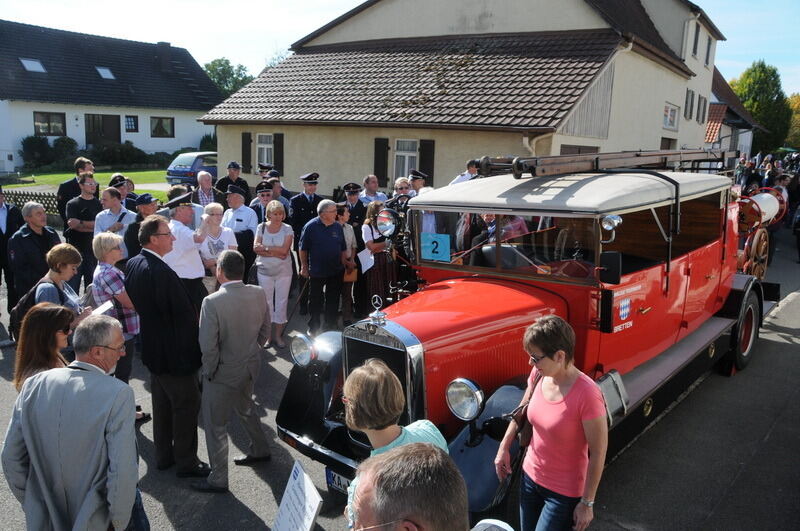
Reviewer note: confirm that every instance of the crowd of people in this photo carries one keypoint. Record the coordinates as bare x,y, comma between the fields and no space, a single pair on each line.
215,268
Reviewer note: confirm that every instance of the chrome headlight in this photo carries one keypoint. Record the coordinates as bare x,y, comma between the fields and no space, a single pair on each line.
387,222
302,349
464,398
611,222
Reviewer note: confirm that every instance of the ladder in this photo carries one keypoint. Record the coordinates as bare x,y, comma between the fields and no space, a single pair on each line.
561,164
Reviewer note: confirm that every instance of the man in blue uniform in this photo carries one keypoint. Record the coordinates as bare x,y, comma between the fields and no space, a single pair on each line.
323,254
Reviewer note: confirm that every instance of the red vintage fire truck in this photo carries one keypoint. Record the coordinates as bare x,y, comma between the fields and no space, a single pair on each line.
644,264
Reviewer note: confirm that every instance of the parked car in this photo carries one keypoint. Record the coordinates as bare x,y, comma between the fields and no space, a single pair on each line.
185,167
641,263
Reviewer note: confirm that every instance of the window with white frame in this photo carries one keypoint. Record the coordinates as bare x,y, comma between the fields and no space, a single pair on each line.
670,117
265,149
405,157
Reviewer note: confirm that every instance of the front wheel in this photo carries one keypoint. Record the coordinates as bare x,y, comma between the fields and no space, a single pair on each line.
745,333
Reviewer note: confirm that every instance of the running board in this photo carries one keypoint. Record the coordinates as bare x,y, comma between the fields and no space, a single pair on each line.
647,378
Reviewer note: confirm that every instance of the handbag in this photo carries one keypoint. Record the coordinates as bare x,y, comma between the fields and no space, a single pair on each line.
520,417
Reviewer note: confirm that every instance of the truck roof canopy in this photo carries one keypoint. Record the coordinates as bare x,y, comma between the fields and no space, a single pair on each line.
586,194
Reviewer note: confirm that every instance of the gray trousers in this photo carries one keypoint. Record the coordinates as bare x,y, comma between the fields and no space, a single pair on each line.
218,401
176,403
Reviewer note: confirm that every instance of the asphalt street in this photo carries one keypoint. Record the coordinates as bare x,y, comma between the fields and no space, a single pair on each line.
725,457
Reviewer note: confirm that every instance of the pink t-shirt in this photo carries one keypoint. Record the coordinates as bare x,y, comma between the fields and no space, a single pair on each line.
559,454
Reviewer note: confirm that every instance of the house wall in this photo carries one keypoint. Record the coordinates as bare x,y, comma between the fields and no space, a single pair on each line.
344,154
16,122
641,88
669,18
418,18
6,138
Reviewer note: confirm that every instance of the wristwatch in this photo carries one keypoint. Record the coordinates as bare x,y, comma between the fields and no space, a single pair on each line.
587,503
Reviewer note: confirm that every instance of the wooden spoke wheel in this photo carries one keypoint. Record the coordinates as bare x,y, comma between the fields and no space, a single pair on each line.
756,252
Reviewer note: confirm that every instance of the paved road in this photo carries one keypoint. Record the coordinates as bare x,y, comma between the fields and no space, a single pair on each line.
723,458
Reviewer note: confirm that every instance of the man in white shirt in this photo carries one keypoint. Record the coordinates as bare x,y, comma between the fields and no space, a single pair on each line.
184,258
242,220
370,192
471,173
115,218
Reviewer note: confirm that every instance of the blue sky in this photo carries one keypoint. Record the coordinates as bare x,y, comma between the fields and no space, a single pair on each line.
251,33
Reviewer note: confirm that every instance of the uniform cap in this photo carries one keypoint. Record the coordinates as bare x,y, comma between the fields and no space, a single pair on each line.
233,189
235,165
310,178
145,199
181,200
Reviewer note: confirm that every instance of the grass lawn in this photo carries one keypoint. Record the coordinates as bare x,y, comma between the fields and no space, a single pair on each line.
138,177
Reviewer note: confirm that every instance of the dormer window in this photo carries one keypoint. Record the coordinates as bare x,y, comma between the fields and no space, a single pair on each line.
105,72
32,65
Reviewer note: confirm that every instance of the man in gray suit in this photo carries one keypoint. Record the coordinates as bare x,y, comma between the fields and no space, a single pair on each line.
70,450
234,323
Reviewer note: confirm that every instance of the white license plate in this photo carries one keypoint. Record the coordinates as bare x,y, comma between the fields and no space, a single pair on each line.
336,481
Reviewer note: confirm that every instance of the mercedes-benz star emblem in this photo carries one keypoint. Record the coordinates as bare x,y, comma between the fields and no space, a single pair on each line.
377,302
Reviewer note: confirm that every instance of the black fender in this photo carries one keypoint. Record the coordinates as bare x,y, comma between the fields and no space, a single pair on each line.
742,285
474,451
309,391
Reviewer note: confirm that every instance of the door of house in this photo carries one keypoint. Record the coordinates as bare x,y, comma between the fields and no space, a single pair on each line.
102,128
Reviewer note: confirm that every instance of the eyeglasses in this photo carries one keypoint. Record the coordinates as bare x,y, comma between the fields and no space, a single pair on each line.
379,525
263,194
162,234
536,359
402,187
117,349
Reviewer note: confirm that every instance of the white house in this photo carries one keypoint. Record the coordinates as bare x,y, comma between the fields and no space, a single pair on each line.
95,89
398,84
729,126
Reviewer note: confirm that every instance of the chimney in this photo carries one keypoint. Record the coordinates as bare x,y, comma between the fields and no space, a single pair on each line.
163,55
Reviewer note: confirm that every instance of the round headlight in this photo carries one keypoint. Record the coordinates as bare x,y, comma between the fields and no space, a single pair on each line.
302,349
464,398
611,222
387,222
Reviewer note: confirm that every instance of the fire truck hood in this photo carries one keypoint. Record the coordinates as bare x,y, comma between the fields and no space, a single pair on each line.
452,310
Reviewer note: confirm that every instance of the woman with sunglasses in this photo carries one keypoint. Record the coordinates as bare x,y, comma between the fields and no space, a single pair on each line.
565,458
44,333
373,403
401,186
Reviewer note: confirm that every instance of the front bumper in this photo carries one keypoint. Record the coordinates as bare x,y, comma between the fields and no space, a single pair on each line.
337,462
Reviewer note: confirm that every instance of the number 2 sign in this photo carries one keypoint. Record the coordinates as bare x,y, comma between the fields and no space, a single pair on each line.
435,246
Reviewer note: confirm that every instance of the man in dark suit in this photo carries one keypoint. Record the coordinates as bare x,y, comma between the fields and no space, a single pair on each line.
69,189
120,182
170,349
10,222
304,209
233,178
234,323
28,247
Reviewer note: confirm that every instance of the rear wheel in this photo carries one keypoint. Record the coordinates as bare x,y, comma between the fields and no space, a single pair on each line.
745,332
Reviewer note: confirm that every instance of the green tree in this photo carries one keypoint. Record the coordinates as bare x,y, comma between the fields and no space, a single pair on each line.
226,77
759,88
793,139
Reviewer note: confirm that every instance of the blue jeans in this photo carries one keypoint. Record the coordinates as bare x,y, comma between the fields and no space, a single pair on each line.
541,509
139,521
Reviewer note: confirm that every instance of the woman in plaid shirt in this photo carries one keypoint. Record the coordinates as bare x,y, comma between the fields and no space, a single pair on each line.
108,284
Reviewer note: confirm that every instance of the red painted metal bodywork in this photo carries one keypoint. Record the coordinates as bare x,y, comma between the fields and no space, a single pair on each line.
472,325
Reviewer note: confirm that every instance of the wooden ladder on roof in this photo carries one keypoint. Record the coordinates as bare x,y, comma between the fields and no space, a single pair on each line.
561,164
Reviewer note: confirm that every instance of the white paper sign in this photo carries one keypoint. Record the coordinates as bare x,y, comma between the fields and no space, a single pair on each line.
300,504
103,308
367,260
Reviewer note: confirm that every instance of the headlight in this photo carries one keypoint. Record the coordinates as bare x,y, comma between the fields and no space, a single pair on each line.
611,222
302,349
464,398
387,222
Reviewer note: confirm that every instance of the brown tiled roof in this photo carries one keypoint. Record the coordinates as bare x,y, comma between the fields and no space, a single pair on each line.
511,81
716,114
725,94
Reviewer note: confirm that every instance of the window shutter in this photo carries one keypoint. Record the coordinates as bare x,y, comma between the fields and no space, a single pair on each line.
381,165
426,156
247,158
277,151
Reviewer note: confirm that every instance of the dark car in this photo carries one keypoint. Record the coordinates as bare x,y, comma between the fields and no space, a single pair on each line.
186,166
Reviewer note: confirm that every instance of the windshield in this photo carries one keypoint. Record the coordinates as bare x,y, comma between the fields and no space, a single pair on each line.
184,160
530,245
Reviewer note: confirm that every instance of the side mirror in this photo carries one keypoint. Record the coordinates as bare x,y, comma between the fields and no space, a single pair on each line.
610,267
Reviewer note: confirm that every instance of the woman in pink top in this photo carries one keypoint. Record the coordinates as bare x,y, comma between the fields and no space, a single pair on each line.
564,462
